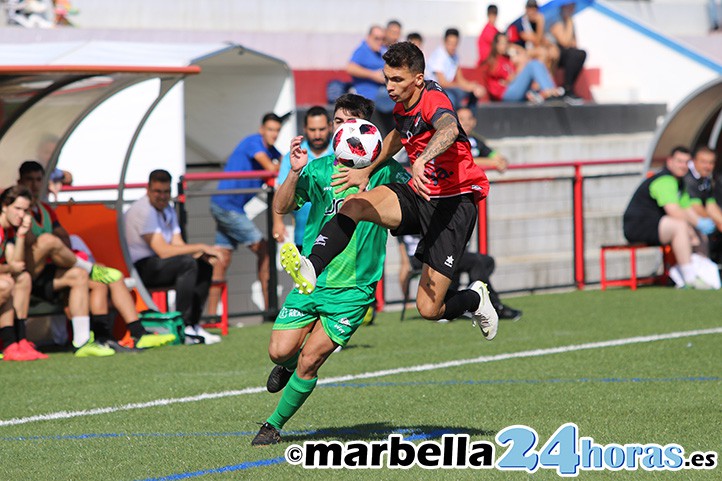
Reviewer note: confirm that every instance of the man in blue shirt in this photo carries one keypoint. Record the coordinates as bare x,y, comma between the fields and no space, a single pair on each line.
317,142
233,227
366,70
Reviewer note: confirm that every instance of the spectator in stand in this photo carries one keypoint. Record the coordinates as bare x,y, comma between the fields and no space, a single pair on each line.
506,84
486,37
15,282
416,39
366,70
484,156
571,58
445,69
701,189
659,214
233,227
391,35
317,142
527,37
162,258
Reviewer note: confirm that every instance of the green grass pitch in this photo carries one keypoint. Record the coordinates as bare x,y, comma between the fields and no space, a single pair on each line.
664,391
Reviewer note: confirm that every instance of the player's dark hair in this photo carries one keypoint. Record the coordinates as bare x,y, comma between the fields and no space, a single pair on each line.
679,148
271,117
11,194
414,36
393,22
355,105
159,175
702,148
492,10
451,32
405,54
316,111
30,166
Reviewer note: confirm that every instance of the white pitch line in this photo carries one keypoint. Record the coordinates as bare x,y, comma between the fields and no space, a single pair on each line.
367,375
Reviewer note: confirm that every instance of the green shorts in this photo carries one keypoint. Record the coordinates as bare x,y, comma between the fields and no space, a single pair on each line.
341,310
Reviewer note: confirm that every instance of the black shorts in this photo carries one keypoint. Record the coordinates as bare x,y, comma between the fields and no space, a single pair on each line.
43,284
642,229
445,225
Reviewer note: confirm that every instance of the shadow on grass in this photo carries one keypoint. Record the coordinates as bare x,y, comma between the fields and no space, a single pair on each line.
379,431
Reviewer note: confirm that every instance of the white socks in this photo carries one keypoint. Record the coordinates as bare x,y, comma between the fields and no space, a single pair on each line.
81,330
83,264
689,273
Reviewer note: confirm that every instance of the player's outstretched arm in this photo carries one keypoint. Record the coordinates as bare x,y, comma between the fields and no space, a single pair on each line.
347,178
446,133
284,199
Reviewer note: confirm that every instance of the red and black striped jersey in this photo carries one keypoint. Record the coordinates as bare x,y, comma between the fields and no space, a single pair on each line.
453,172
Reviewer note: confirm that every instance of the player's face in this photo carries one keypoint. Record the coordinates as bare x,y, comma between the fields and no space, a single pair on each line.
159,194
403,85
318,132
467,120
677,164
269,131
15,212
704,163
33,181
341,116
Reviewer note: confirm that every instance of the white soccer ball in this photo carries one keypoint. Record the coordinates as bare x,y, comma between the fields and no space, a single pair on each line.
357,143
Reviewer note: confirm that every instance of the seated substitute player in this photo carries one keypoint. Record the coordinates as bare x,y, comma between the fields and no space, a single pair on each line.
47,234
329,316
15,282
439,202
659,214
54,267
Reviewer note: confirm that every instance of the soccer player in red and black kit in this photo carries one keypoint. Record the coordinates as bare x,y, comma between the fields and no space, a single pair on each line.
439,202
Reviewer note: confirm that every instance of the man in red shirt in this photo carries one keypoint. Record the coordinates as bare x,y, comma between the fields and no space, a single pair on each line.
487,35
439,202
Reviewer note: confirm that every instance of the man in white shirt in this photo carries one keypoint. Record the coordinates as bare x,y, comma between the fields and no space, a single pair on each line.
162,258
444,68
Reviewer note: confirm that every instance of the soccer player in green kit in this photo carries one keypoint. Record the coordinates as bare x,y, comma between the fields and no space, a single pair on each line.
329,316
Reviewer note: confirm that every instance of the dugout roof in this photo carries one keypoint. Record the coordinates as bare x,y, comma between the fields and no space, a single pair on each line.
48,89
696,121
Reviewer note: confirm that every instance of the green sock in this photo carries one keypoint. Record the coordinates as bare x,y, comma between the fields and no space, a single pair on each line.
293,397
292,362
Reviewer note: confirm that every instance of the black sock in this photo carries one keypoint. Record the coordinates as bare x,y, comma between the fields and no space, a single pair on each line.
466,300
136,329
20,331
101,325
335,236
7,335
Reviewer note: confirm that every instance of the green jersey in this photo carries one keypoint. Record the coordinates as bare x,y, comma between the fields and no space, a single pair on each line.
362,262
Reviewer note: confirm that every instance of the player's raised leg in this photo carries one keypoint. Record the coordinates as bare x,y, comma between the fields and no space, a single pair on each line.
379,206
433,305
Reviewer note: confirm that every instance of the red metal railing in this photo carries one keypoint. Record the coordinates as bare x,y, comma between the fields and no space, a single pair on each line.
577,204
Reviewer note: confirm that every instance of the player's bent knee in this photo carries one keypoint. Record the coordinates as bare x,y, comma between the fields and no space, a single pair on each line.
6,287
77,277
280,352
428,310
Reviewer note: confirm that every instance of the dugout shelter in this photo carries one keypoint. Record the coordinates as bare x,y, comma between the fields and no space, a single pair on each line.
111,112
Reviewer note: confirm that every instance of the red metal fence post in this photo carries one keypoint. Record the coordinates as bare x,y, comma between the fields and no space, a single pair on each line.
578,203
